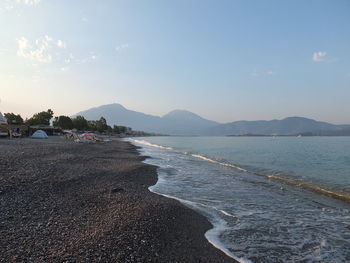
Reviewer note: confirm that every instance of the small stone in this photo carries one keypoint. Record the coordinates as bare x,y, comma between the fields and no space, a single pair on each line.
117,190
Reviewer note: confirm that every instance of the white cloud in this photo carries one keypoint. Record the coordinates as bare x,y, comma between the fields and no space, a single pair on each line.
9,5
61,44
38,51
47,49
28,2
41,50
6,5
121,47
319,56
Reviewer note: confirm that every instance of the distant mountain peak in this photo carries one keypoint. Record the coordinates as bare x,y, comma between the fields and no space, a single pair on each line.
297,118
182,114
177,122
113,105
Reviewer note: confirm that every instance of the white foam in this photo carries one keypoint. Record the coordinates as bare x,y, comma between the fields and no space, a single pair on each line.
227,214
213,237
219,210
220,163
198,156
143,142
213,234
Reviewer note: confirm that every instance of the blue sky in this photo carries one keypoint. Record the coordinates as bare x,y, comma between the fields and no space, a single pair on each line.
225,60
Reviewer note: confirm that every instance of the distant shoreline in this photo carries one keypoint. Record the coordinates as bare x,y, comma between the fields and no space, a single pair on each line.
277,135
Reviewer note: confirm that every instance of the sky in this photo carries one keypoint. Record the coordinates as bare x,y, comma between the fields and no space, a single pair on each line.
225,60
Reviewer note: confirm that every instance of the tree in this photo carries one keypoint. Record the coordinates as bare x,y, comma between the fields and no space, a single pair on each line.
41,118
92,125
80,123
116,129
121,129
13,118
101,125
64,122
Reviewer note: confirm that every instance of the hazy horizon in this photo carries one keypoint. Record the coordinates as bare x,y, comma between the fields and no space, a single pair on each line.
224,60
200,115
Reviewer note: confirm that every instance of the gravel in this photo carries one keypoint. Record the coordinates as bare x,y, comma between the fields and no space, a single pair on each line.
67,202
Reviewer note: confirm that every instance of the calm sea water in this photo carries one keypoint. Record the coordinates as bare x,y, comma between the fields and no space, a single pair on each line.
270,199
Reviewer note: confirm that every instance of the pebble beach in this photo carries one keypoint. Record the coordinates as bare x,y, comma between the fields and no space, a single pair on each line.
66,202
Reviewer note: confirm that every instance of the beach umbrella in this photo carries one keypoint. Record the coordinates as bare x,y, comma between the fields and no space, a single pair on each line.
88,134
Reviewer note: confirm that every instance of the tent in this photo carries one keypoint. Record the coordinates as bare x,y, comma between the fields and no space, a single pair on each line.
2,119
39,134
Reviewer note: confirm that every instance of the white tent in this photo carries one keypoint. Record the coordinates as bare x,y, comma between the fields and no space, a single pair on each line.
2,119
39,134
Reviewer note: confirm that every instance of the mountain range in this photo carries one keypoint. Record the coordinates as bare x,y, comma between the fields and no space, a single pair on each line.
182,122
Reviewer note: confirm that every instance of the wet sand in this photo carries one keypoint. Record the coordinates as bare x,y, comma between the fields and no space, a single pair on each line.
67,202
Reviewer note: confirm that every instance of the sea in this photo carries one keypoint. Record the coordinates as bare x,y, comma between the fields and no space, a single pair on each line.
269,199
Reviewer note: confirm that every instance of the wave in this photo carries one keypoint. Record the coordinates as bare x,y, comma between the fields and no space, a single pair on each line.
219,225
151,144
333,193
218,162
340,195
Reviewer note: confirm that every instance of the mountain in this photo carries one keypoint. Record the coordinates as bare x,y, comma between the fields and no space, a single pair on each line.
287,126
182,122
177,122
185,122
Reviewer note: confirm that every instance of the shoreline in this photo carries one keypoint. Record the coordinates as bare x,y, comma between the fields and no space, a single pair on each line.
62,201
334,193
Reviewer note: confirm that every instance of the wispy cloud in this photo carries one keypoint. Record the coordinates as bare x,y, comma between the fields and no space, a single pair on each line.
38,50
47,50
9,5
256,74
319,56
121,47
322,56
28,2
87,59
69,59
61,44
43,49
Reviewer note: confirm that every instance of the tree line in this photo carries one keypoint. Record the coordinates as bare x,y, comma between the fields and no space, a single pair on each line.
80,123
67,123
